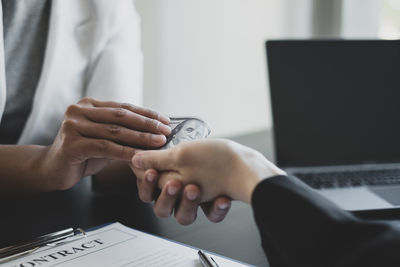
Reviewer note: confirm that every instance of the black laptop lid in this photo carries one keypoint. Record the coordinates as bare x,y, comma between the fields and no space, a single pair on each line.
335,102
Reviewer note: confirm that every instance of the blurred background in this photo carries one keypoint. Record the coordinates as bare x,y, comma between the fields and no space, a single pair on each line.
207,58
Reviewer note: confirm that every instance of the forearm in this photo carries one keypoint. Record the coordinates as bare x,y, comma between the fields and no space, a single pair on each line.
21,170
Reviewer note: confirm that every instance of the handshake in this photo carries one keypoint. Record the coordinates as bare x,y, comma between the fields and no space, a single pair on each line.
212,173
101,138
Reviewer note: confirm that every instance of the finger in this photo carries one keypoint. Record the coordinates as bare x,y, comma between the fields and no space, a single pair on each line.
91,102
157,159
136,109
165,203
186,211
120,134
217,210
148,185
126,118
120,116
87,148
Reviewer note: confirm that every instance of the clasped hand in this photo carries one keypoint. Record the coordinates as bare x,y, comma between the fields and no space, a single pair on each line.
218,167
94,133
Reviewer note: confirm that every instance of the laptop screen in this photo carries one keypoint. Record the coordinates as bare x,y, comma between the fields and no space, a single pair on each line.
335,102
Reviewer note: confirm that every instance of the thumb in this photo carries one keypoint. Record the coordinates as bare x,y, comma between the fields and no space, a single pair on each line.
160,160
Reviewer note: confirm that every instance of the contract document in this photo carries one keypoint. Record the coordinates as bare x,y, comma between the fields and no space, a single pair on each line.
116,245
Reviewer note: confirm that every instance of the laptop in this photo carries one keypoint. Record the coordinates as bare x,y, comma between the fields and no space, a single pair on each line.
336,116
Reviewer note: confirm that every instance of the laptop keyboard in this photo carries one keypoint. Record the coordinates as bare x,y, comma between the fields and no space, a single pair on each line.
320,180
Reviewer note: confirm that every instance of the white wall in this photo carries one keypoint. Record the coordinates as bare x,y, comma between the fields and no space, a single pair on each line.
206,58
361,18
297,18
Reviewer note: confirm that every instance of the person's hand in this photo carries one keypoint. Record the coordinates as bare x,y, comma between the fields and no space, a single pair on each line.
219,167
175,198
95,132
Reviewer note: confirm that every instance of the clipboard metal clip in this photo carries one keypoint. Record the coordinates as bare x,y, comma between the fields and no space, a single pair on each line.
51,240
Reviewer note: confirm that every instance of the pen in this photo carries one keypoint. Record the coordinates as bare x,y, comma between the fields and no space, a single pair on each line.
39,242
206,260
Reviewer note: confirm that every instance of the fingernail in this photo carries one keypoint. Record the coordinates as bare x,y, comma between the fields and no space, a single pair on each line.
172,190
223,206
151,177
137,161
164,128
158,139
163,118
192,195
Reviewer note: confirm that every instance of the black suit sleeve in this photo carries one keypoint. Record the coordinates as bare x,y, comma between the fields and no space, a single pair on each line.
299,227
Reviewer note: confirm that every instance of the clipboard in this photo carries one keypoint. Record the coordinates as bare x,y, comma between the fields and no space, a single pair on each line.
53,239
112,245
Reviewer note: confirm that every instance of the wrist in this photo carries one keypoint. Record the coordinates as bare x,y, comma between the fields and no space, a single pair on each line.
248,187
22,170
37,178
251,167
46,170
264,171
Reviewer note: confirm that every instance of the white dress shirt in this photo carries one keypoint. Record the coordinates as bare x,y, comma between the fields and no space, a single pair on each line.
93,49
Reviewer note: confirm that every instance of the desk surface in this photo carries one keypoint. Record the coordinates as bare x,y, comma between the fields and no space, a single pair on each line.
236,237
